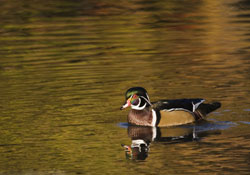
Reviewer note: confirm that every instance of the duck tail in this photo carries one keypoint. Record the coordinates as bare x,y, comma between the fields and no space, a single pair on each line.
206,108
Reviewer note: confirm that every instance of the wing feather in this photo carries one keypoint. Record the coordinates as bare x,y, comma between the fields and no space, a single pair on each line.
179,104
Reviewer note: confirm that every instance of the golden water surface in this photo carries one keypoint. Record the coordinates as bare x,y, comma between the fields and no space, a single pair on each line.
65,66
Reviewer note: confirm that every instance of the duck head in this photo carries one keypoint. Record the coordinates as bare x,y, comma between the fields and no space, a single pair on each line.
137,98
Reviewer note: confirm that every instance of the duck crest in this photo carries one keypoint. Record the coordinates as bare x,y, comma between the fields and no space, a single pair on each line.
140,117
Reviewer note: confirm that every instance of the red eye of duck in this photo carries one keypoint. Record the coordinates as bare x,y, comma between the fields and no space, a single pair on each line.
134,100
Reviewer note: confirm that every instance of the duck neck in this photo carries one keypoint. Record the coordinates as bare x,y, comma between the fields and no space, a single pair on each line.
142,117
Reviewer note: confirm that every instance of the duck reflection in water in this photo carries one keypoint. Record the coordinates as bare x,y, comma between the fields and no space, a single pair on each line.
142,136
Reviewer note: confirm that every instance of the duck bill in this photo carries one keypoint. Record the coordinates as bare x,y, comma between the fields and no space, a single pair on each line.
127,104
124,106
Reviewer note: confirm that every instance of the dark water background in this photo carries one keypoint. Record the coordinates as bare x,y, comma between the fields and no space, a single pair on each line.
65,65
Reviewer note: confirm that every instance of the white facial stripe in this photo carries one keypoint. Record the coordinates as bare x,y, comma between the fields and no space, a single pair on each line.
146,100
147,97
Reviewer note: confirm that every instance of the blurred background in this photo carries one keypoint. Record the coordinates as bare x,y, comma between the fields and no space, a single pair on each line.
65,66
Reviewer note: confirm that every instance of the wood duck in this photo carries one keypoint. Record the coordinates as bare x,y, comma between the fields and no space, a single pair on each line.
164,112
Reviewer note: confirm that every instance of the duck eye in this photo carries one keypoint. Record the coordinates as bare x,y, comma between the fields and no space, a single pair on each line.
135,100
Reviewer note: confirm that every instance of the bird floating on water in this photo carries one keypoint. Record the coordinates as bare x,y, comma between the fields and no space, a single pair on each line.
164,112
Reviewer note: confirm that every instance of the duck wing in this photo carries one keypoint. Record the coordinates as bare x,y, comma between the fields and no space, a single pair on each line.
179,104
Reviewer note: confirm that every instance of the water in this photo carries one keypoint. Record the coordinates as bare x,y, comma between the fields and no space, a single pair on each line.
65,66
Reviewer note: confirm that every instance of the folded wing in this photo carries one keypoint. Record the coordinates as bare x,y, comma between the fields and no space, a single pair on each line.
180,104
